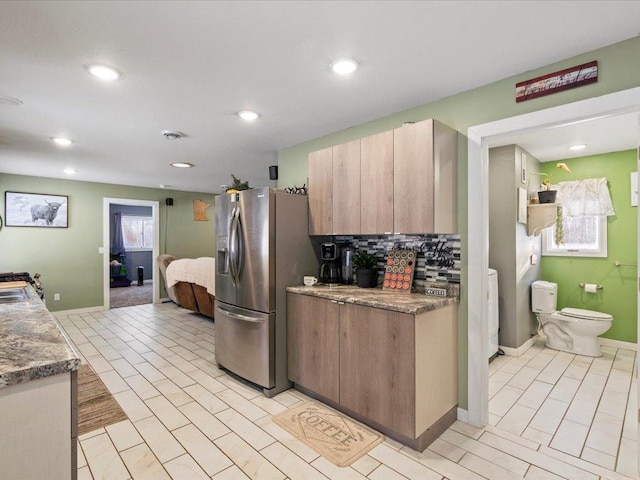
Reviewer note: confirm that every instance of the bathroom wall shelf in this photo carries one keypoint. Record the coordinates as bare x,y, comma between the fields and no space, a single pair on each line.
540,216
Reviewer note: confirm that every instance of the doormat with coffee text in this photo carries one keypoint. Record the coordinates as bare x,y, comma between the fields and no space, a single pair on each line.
335,436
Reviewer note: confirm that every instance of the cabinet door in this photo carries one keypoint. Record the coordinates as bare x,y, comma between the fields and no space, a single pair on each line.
346,188
413,175
377,366
376,184
321,192
313,354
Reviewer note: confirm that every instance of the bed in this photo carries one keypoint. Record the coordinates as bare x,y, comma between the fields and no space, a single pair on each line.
190,282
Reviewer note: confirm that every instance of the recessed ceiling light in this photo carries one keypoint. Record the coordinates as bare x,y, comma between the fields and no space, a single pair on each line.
10,101
70,171
577,147
182,165
63,142
248,115
104,73
345,66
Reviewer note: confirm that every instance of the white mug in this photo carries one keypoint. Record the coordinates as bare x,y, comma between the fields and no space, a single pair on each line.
310,281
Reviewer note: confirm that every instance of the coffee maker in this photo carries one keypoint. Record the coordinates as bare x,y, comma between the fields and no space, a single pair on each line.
330,267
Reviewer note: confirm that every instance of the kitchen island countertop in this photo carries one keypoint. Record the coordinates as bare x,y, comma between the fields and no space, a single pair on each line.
32,344
413,303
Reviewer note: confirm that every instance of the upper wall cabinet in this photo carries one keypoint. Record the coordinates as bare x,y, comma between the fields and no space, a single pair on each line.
425,178
346,188
402,181
376,184
321,192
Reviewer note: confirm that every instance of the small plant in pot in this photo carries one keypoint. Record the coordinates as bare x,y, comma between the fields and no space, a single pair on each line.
366,269
546,195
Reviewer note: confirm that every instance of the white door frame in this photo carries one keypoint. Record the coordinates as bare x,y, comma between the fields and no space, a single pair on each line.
106,242
479,140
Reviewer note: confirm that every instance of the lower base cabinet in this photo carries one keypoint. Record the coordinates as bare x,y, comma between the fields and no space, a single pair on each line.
313,354
38,429
377,361
394,371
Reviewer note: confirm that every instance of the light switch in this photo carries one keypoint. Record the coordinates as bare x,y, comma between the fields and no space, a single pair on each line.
100,249
534,259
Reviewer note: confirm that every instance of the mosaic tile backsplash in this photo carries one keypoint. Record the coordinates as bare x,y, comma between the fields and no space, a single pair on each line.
438,258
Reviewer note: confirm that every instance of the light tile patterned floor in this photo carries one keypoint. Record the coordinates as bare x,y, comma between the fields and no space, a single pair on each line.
190,420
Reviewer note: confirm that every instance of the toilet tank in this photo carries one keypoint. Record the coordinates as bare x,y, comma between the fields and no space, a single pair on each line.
543,296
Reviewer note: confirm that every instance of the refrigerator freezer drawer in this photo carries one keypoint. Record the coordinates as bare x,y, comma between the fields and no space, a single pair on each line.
245,343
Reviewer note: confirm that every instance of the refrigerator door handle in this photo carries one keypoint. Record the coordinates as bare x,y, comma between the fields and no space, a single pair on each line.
237,316
233,247
241,253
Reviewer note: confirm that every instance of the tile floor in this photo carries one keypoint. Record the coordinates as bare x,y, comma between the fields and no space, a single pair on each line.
553,415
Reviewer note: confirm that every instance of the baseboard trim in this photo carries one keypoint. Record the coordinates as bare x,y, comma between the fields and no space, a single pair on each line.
463,415
74,311
608,342
518,352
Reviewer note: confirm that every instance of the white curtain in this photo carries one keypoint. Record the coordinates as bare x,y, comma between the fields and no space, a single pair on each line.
585,197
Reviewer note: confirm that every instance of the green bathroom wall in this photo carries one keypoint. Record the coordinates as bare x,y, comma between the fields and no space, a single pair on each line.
68,258
618,71
618,297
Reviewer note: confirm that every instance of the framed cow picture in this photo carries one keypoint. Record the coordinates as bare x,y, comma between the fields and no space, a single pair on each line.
36,210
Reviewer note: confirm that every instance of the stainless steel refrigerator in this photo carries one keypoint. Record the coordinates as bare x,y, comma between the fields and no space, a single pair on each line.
262,246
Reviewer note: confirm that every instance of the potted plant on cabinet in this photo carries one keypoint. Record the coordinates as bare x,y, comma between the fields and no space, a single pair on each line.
237,185
366,271
546,195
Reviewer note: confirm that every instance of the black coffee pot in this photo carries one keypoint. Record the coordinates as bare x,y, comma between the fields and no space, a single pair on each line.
330,266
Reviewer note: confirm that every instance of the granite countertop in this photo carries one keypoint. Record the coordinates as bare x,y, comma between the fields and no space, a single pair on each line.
412,303
32,344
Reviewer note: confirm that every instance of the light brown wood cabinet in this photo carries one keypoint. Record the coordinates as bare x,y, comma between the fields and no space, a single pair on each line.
404,182
395,371
376,184
313,355
346,188
321,192
425,178
377,365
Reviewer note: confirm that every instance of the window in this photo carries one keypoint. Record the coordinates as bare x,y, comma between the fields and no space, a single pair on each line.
137,232
584,236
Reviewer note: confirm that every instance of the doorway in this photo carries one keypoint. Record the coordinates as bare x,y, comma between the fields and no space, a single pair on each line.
480,138
127,268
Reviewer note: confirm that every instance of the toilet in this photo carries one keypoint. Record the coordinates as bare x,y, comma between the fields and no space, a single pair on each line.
571,329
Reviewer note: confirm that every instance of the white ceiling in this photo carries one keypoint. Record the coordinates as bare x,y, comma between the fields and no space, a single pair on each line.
190,66
600,135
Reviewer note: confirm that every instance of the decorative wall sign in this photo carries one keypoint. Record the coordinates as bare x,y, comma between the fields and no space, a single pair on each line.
35,210
557,82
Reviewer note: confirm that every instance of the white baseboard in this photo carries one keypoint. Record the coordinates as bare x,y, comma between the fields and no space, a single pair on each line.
518,352
74,311
607,342
463,415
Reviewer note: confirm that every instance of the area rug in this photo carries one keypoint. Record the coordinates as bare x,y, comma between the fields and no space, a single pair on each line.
335,436
130,296
96,406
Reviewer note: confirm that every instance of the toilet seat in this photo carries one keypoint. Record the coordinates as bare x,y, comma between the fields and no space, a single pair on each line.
579,313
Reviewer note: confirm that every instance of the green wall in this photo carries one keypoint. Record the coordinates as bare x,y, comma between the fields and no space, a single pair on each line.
68,258
618,297
618,70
